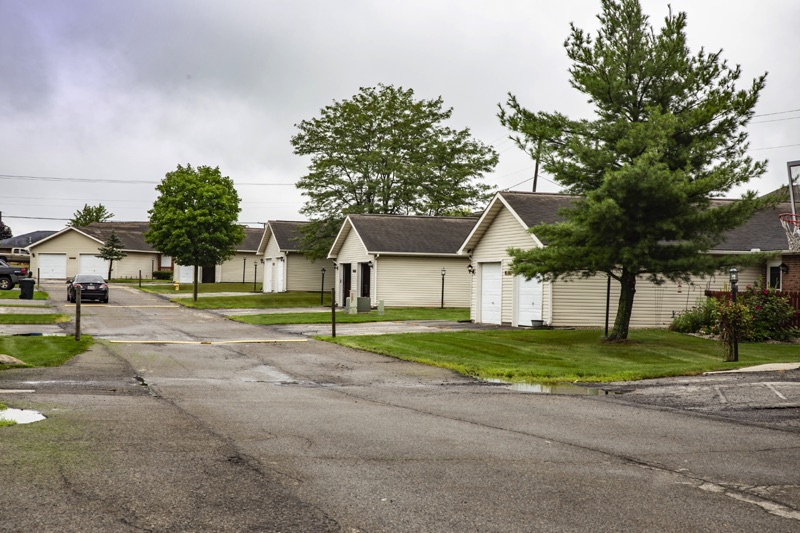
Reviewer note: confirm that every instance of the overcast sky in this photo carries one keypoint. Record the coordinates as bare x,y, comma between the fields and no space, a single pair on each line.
105,97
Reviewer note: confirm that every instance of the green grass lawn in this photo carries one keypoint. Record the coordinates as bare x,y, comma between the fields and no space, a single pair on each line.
553,356
43,351
21,318
13,294
188,288
255,301
396,313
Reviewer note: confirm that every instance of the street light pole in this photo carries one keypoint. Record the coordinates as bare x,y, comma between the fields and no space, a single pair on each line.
734,277
322,288
444,271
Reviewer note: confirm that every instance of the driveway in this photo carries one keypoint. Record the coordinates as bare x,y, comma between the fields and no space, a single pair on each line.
222,426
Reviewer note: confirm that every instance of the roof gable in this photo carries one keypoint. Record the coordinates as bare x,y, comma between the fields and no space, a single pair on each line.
287,233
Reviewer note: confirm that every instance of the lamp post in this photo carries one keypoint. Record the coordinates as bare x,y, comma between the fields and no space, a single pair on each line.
734,278
322,288
444,271
255,276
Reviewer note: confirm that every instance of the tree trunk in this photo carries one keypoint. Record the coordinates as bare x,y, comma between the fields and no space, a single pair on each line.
622,321
194,290
110,265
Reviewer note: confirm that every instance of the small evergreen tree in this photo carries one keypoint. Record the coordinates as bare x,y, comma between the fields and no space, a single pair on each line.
667,138
112,251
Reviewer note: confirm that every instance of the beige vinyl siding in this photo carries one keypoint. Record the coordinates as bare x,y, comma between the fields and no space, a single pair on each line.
130,266
582,302
407,281
231,270
73,244
353,252
504,232
303,275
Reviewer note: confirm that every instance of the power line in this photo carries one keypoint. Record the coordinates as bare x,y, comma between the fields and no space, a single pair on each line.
776,113
120,182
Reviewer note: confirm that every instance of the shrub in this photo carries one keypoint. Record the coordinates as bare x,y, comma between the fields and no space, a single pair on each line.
702,318
162,274
770,315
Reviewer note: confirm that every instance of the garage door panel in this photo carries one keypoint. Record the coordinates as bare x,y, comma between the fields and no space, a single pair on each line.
491,293
528,300
52,266
91,264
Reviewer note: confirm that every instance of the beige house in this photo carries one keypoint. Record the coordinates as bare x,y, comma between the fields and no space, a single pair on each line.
243,267
499,297
285,267
73,250
405,261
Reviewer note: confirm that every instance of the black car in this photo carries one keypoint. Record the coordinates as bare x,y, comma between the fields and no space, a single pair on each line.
93,287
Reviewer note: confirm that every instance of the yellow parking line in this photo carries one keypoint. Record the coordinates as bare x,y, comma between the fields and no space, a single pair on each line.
244,341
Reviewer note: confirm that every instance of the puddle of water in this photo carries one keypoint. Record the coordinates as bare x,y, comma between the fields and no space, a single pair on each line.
21,416
560,388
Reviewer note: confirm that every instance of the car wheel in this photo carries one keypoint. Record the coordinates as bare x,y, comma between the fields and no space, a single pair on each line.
5,284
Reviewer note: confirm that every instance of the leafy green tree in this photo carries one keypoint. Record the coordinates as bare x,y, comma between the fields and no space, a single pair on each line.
112,250
89,214
5,231
382,151
194,217
667,138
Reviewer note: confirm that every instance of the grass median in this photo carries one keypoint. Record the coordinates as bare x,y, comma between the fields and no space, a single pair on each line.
256,301
29,318
13,294
557,356
43,351
342,317
202,288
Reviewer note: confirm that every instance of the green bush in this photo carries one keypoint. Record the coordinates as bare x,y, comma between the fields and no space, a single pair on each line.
162,274
770,315
703,318
760,315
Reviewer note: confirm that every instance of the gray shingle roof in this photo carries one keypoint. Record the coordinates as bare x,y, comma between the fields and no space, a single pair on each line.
22,241
287,234
412,234
132,235
762,231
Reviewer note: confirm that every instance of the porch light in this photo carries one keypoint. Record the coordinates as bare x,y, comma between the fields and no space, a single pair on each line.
734,276
471,269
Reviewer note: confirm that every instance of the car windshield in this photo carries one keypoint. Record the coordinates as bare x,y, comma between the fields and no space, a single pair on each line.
88,278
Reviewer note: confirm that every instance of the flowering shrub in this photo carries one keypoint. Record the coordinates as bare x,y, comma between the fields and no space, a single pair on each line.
760,315
770,314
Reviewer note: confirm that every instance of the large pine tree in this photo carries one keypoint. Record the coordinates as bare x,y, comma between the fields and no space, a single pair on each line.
666,139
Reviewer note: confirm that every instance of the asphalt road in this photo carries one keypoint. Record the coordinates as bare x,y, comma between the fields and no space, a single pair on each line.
204,432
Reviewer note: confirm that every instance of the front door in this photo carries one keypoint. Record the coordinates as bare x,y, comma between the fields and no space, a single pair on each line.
347,280
364,278
209,274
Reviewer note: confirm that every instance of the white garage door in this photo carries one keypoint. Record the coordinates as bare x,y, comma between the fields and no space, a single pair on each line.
186,273
91,264
52,266
528,300
267,285
490,293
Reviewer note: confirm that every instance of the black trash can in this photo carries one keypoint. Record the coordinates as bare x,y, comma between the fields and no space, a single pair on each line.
26,286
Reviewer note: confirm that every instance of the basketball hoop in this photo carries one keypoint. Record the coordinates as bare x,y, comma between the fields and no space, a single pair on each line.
791,223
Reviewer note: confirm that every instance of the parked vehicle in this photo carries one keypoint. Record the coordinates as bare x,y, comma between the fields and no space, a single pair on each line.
17,255
93,287
10,276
